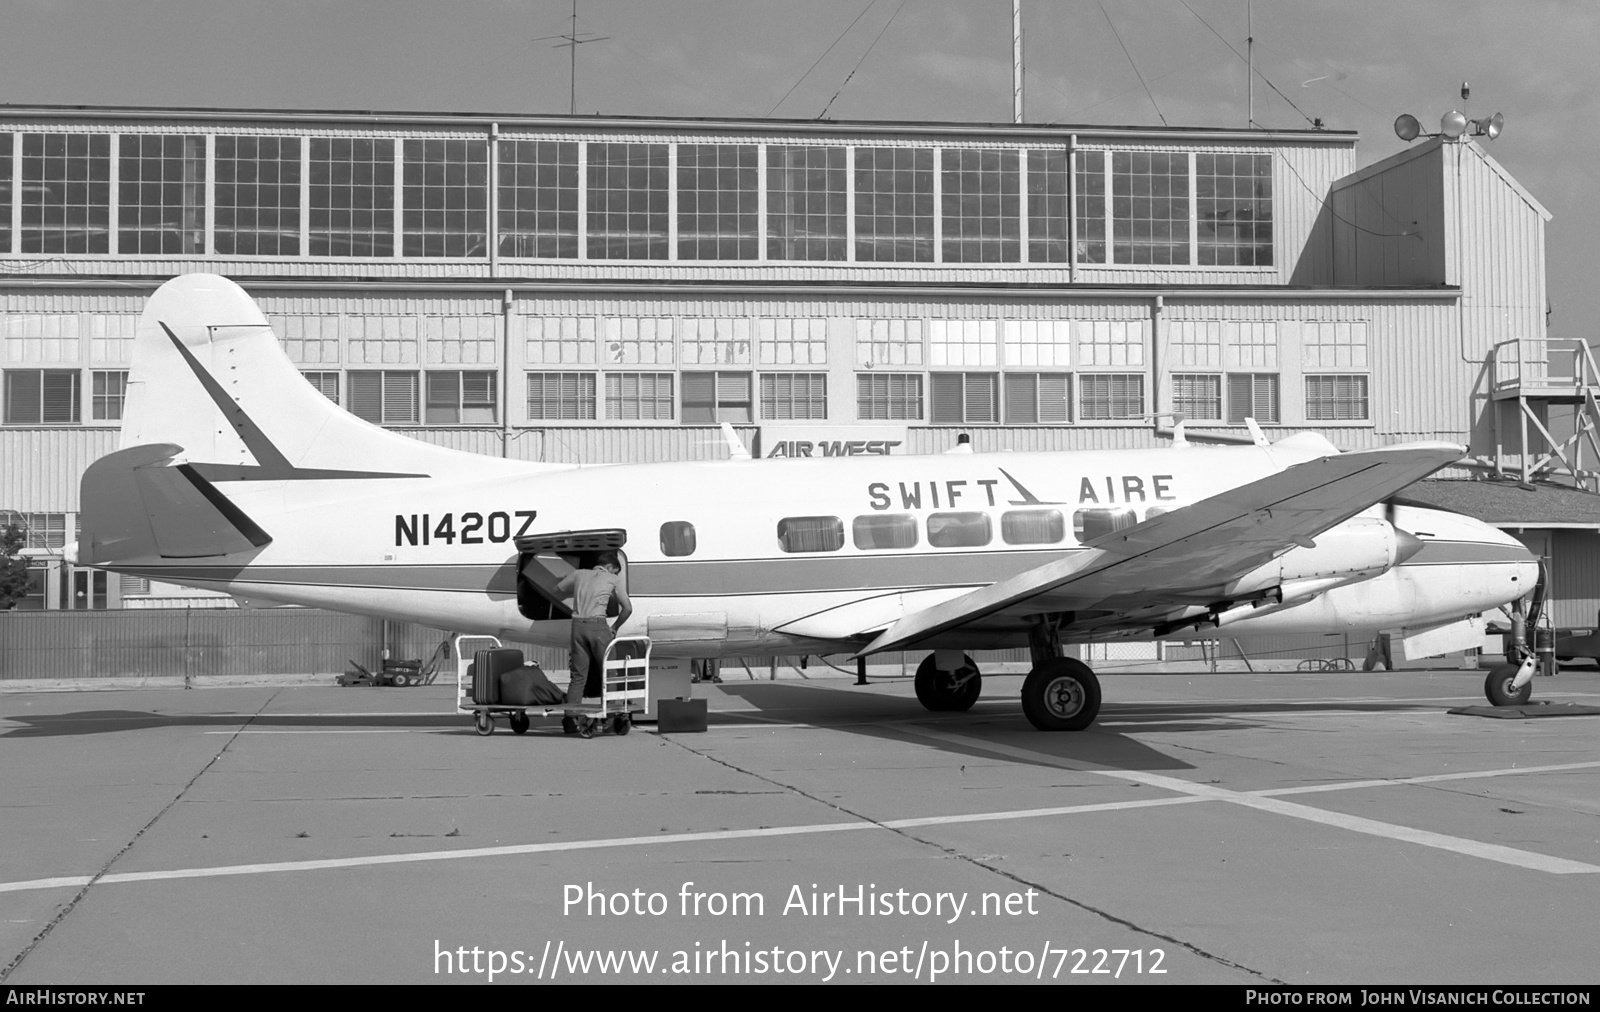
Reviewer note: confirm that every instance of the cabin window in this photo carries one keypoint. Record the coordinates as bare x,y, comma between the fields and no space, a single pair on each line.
811,534
885,530
1097,523
1032,527
959,530
677,538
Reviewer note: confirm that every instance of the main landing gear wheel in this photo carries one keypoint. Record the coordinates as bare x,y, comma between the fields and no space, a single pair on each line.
519,723
948,691
1061,695
1498,687
483,722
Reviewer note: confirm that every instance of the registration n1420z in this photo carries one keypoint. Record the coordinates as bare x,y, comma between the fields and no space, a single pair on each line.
470,528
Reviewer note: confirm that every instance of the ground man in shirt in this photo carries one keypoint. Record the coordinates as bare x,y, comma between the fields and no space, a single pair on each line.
592,592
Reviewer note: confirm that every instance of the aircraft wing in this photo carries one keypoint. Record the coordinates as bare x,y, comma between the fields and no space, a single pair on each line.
1194,552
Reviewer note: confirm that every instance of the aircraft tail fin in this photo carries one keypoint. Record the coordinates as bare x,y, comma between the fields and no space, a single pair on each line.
209,375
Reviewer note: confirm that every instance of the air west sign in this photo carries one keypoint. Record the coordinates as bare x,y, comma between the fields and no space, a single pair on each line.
832,440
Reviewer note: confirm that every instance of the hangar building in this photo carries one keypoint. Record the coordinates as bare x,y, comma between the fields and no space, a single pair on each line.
610,289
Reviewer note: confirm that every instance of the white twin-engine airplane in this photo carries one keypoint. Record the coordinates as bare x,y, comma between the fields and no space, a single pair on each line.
235,474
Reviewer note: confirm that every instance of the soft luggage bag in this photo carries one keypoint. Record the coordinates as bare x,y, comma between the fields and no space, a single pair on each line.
527,686
486,668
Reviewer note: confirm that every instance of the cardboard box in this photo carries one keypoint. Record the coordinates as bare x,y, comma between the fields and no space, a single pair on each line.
675,716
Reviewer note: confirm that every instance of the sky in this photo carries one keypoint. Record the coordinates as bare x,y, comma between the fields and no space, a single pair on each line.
1353,64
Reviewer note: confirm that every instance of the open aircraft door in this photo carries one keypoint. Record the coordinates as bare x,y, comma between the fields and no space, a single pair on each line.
543,559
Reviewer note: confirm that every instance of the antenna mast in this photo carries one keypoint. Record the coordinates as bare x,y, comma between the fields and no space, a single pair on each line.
1250,50
573,41
1016,61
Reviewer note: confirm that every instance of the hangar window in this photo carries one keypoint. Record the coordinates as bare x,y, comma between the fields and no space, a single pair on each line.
1037,342
712,397
811,534
1047,207
718,193
65,193
715,341
677,538
884,530
352,197
6,191
1197,397
794,395
894,205
461,398
1037,398
1252,395
1090,180
639,396
538,198
1089,524
792,342
888,342
1150,207
963,342
888,396
257,196
326,383
627,201
1107,396
965,398
384,398
42,396
639,341
1111,342
1032,527
109,388
558,340
1336,398
446,197
563,396
1233,209
161,193
807,212
959,530
981,206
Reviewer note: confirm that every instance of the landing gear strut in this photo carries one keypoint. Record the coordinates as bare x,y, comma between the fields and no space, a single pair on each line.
1060,693
952,689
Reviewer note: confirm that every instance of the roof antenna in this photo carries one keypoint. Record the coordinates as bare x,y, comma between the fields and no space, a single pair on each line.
1256,433
963,444
736,448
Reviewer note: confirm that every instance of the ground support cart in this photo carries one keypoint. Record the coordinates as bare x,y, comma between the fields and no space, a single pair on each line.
624,691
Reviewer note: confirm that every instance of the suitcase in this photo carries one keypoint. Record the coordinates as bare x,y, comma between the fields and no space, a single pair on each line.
527,686
677,715
486,668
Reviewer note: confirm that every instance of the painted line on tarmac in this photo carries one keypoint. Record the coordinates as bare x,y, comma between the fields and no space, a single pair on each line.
515,850
1355,823
1432,778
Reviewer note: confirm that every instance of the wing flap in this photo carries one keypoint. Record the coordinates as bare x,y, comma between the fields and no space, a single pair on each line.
1193,551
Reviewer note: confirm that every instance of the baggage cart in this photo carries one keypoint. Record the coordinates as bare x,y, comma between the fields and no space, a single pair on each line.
624,691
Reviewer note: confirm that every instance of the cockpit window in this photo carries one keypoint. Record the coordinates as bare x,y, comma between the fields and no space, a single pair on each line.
884,530
677,538
811,534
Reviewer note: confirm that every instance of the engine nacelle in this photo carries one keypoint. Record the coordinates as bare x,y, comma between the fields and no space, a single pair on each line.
1354,550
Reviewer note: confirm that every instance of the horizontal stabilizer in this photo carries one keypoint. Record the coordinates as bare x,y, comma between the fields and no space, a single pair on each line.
137,507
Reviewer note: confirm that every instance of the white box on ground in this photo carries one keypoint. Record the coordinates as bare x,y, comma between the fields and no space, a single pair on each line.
670,678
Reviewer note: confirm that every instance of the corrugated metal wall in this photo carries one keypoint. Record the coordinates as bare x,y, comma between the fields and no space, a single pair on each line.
40,468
